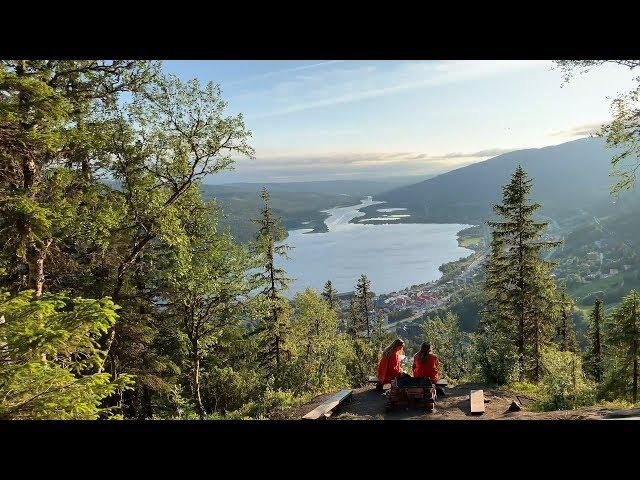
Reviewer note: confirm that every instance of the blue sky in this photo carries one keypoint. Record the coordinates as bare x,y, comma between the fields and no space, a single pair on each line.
322,120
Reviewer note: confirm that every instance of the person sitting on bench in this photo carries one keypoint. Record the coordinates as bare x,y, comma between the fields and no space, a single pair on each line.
425,364
389,367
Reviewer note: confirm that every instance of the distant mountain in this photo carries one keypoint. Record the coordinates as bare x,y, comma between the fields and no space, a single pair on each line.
566,177
356,188
298,204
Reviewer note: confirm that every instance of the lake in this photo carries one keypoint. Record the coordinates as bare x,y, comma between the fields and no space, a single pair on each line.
393,256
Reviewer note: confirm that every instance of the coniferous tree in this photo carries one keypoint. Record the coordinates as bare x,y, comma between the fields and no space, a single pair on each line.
565,333
48,350
52,120
594,355
330,295
274,322
623,346
363,295
355,321
523,293
494,345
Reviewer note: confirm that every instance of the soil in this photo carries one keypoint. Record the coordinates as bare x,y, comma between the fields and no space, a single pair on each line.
368,404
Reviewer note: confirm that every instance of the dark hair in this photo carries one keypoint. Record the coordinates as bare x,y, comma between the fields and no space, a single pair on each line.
393,347
425,349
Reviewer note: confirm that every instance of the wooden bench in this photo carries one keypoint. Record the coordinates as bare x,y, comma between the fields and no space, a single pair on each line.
476,398
322,410
439,383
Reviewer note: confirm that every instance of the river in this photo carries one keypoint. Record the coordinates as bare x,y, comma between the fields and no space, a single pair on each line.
393,256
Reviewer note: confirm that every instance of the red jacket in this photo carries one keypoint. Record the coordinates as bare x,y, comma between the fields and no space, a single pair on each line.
389,368
428,369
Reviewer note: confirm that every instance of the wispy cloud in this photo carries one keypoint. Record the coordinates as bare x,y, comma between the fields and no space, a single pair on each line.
275,73
275,166
335,86
583,130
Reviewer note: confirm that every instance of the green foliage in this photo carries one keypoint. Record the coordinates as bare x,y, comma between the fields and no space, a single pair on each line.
494,356
520,293
318,349
363,298
273,328
594,354
563,385
449,343
271,404
49,346
623,132
622,338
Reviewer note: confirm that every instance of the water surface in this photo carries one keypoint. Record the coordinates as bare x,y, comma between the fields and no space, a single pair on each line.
393,256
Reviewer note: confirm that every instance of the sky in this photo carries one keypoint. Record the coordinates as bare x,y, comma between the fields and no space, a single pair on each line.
356,120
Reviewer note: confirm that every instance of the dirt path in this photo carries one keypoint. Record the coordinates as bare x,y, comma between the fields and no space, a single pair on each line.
368,404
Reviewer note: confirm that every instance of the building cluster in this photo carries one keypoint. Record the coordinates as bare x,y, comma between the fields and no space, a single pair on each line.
418,300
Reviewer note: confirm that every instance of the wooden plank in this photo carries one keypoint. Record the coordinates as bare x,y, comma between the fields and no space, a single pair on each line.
476,398
634,412
328,405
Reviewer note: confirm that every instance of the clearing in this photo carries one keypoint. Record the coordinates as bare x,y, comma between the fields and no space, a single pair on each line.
368,404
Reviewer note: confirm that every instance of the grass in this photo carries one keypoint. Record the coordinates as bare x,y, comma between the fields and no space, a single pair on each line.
601,284
615,286
469,241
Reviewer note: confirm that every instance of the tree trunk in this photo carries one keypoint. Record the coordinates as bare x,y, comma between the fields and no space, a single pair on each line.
597,355
196,385
635,371
536,372
35,260
146,397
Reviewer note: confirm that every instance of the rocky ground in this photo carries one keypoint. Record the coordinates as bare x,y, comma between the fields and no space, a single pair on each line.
368,404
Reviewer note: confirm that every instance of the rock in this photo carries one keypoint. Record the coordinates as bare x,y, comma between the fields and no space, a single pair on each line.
515,407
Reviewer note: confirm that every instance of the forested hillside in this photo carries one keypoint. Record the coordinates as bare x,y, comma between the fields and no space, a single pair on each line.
122,295
567,176
299,204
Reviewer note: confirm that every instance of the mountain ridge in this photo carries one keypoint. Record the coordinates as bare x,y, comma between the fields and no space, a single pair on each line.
565,177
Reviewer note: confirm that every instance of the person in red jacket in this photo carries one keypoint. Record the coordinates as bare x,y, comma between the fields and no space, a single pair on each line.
425,364
389,367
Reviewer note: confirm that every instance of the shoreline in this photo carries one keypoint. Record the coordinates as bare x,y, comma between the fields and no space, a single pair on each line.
462,239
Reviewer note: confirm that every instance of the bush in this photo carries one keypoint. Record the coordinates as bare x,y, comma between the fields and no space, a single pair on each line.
494,360
563,385
272,403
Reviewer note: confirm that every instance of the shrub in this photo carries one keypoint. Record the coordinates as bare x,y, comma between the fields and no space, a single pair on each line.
563,385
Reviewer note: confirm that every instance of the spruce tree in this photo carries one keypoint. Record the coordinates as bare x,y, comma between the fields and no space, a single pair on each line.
363,295
594,335
355,322
519,286
565,333
274,322
330,295
494,346
623,344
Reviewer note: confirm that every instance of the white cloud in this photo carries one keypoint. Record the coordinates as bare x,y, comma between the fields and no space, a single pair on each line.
286,166
583,130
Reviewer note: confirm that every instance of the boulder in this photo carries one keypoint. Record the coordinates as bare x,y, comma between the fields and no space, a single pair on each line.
515,407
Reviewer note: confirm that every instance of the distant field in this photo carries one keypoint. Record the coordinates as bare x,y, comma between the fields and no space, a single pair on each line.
467,242
610,289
